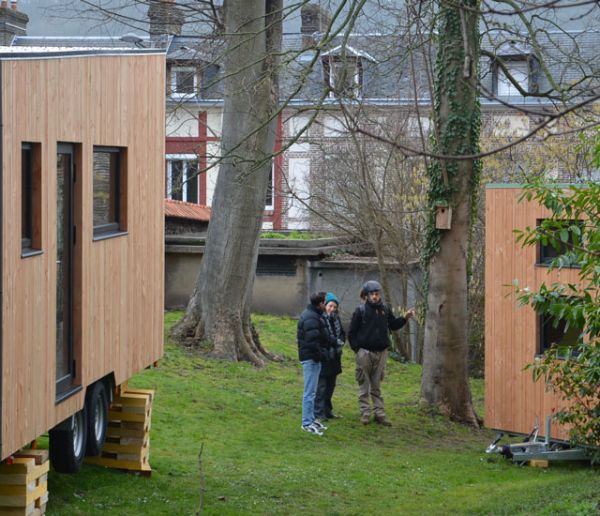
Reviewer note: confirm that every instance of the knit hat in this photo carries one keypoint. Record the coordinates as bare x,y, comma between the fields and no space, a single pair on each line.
331,297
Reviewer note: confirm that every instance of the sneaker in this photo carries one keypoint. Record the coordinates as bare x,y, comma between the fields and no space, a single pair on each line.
382,420
365,419
312,429
319,425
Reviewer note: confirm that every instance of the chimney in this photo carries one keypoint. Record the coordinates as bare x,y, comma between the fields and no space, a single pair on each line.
314,20
12,22
165,18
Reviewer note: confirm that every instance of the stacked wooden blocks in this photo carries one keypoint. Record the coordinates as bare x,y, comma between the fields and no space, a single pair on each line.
24,483
128,435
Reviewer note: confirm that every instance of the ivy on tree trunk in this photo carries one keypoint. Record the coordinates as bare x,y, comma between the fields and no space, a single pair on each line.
453,183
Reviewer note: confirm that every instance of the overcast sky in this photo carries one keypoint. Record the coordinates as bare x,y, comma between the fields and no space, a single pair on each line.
76,18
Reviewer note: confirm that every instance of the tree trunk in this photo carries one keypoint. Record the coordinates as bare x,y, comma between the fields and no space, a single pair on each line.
219,309
445,381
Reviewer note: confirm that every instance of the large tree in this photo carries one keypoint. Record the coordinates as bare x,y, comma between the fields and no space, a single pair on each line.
453,183
219,310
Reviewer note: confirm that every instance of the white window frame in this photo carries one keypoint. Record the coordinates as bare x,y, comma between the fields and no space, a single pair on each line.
332,62
179,94
271,207
519,71
186,158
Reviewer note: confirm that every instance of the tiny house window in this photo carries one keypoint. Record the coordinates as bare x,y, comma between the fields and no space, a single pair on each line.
553,332
31,199
546,252
182,178
184,81
109,188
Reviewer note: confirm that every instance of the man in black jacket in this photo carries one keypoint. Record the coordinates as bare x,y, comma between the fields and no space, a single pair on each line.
370,338
313,340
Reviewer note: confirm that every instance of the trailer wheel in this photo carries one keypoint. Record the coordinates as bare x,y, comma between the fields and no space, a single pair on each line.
96,402
68,442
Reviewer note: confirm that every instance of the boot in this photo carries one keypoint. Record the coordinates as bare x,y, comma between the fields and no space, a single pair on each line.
382,420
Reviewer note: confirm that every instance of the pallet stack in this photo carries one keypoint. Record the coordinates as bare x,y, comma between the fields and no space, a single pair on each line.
24,483
128,436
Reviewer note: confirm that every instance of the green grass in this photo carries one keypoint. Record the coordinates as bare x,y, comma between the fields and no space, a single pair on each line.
256,460
292,235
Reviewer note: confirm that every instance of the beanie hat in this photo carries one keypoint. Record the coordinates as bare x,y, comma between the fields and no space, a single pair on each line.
331,297
372,286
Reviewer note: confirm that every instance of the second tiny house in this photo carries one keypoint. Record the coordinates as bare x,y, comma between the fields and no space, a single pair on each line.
515,335
82,146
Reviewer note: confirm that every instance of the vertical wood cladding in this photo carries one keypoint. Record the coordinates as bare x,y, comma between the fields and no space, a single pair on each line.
115,101
512,400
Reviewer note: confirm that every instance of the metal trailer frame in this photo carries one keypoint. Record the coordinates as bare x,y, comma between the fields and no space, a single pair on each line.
534,448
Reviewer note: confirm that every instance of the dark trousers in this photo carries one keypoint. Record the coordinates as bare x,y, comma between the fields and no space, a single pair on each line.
325,388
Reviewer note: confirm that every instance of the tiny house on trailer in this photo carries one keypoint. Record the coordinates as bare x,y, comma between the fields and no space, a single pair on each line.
81,219
515,335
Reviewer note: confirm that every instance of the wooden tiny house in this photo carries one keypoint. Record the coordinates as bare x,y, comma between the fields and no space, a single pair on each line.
515,334
82,153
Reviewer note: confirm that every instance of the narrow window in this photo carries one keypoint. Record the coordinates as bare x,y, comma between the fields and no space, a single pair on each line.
31,238
270,197
182,178
109,177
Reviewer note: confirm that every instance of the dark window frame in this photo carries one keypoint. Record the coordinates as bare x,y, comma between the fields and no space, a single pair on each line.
545,254
118,227
545,326
31,209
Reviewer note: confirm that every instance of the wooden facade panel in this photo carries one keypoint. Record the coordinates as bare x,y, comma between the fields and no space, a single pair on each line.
513,400
87,101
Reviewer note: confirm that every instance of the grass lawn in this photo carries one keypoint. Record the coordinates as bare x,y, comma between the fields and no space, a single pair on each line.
256,460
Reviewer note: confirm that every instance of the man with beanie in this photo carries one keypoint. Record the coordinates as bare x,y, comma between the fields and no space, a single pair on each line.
333,365
369,337
313,339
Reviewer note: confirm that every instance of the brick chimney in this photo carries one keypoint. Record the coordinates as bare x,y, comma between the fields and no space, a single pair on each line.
165,18
314,20
12,22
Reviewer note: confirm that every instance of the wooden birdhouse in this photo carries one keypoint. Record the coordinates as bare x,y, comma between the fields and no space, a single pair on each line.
443,217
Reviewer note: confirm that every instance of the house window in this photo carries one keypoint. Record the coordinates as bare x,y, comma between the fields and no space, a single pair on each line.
108,203
270,197
547,253
182,178
519,71
554,332
343,76
31,199
184,81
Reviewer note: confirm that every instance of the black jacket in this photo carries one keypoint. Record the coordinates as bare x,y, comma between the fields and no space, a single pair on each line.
370,327
333,365
312,336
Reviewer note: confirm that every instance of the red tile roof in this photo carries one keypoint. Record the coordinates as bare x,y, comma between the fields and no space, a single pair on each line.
186,210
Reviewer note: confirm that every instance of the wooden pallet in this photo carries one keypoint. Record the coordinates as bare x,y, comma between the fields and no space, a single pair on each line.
24,483
128,435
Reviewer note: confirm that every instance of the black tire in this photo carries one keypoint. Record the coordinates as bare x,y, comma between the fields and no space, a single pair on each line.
96,402
68,441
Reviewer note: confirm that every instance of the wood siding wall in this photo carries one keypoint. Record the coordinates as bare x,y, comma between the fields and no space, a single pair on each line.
118,285
512,400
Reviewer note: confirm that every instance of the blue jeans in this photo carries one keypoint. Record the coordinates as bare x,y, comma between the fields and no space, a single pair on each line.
311,378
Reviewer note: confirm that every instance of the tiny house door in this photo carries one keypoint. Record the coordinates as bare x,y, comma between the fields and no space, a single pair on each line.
65,240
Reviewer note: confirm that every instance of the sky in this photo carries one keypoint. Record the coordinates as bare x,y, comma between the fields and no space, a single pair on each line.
76,18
